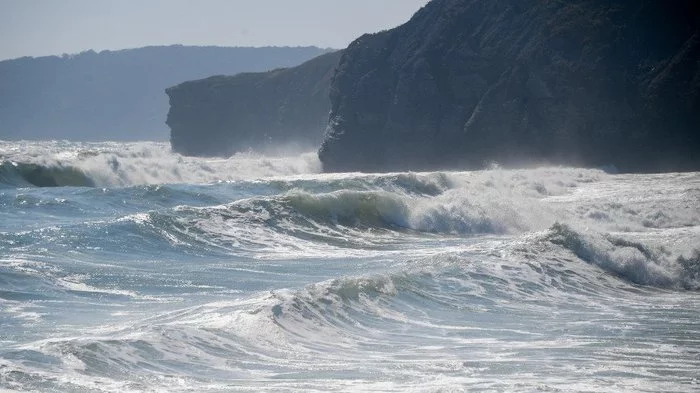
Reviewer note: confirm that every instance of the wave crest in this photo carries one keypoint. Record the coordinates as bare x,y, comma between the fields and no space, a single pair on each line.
630,260
107,164
23,174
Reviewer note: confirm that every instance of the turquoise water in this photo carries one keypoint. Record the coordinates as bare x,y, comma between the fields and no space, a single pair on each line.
124,267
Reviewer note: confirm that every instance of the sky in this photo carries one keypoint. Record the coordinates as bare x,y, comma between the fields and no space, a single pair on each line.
55,27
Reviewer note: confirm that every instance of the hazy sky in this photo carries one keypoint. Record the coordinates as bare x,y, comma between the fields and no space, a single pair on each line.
46,27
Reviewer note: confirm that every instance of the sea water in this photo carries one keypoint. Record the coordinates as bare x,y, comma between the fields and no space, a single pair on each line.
127,268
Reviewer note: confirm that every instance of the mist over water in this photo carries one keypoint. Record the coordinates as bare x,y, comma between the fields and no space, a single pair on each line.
127,268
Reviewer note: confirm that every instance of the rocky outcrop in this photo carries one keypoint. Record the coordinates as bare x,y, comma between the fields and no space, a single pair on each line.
116,95
468,82
222,115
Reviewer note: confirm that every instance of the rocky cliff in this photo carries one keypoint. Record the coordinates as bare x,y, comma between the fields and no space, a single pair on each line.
468,82
116,95
222,115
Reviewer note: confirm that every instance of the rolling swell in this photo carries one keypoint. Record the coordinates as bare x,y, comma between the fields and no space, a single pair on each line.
295,222
28,174
307,224
455,213
427,184
445,299
224,339
350,212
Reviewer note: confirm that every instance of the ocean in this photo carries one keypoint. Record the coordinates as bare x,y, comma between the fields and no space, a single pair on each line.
127,268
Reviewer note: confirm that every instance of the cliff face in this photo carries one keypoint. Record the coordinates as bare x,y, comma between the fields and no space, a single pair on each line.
222,115
466,82
116,95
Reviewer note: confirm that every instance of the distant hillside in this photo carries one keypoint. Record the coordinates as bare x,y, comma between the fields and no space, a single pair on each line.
225,114
576,82
116,95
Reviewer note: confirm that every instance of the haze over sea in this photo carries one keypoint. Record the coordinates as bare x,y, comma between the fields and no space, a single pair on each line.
127,268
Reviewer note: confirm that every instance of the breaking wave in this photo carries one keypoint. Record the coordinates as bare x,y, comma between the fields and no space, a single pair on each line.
23,174
632,259
57,163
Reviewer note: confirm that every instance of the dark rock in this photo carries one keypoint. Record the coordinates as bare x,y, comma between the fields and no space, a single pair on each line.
222,115
468,82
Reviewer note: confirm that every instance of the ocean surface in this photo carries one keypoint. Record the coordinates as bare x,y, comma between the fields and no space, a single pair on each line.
127,268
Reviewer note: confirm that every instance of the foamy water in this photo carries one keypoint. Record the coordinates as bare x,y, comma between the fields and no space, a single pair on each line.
146,271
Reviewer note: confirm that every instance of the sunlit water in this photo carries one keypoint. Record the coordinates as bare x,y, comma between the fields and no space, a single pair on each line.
146,271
